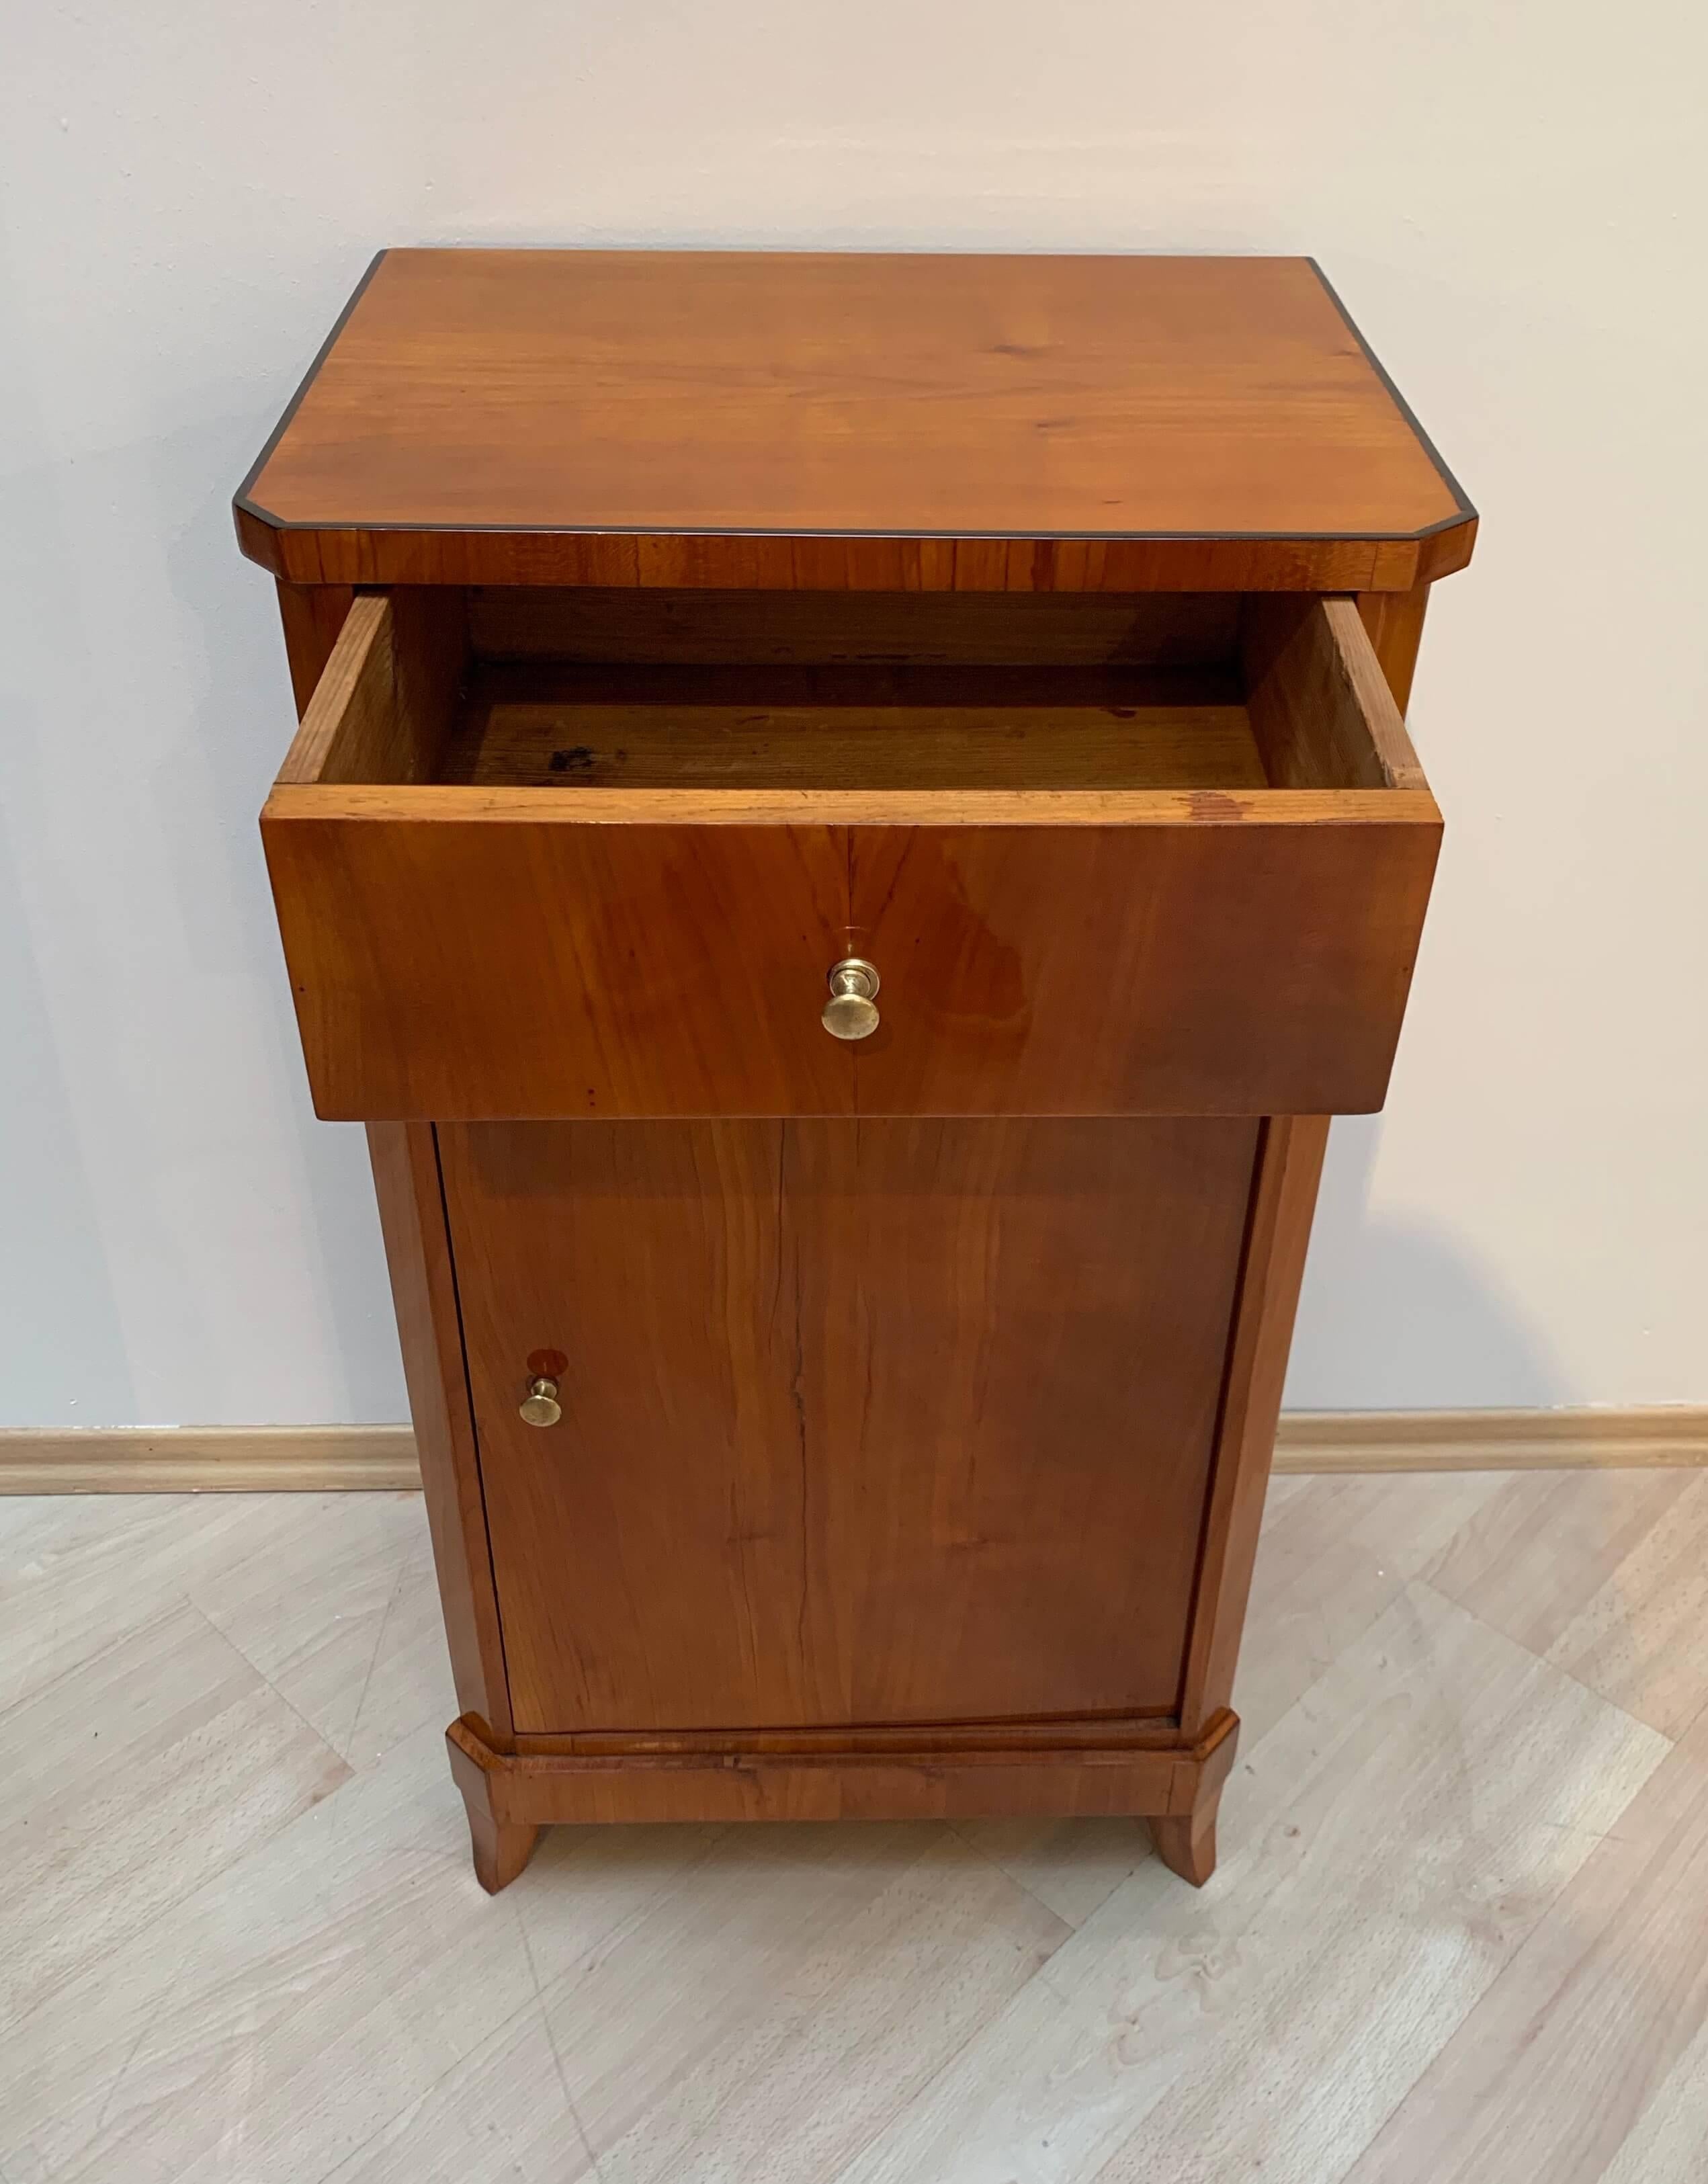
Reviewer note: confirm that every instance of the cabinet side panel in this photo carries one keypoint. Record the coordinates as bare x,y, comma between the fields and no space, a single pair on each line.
313,615
1284,1202
1289,1163
406,1176
1395,622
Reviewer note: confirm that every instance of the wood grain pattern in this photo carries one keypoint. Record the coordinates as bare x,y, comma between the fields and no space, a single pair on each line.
730,2076
1308,1444
1641,1639
1333,1558
501,1846
1186,1842
869,1424
208,1459
1152,1731
1184,1834
1314,810
1547,1544
1398,1835
1554,2068
312,614
1171,970
530,952
351,722
1320,704
602,417
922,728
1065,629
1011,567
1443,1836
1283,1199
392,670
548,970
170,1711
1192,958
406,1178
385,702
1393,623
1571,1438
510,1796
911,1465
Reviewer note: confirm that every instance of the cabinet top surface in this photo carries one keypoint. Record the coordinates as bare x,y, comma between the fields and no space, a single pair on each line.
674,395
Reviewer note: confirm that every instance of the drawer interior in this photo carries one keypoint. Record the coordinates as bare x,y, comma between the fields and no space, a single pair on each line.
758,726
827,692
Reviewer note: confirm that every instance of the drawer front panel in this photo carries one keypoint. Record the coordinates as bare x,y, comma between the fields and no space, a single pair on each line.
444,968
448,967
889,1421
1246,968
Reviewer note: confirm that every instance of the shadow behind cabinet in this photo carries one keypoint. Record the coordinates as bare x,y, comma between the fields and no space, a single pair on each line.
877,1424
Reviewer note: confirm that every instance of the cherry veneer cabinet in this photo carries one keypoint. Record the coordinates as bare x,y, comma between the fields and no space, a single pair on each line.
851,824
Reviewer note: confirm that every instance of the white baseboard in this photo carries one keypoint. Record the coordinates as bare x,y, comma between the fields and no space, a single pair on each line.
324,1459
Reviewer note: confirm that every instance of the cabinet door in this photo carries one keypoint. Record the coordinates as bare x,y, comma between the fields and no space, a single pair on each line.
862,1422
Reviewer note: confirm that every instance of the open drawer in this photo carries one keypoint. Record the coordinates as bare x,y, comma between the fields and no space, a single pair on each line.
518,881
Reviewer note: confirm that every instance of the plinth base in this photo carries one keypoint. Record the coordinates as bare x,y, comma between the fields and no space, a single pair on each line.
511,1795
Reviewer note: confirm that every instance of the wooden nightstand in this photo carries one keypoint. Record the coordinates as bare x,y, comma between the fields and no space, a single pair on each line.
851,824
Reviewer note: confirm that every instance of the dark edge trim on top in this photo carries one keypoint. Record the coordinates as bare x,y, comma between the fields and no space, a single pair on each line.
1466,512
1466,515
242,500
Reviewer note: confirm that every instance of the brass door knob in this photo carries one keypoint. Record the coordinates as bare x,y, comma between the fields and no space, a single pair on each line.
540,1406
851,1011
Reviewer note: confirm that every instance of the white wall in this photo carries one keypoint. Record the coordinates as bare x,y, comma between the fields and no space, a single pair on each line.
1511,199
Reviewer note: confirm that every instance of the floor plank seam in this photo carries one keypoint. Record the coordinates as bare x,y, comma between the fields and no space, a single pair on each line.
1557,1667
956,1829
974,2033
398,1576
551,2041
255,1669
150,2021
419,2101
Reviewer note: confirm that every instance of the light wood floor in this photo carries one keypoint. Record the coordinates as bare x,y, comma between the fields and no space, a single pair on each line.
1460,1933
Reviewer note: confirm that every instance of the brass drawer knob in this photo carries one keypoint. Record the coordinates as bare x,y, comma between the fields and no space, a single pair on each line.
851,1011
540,1406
